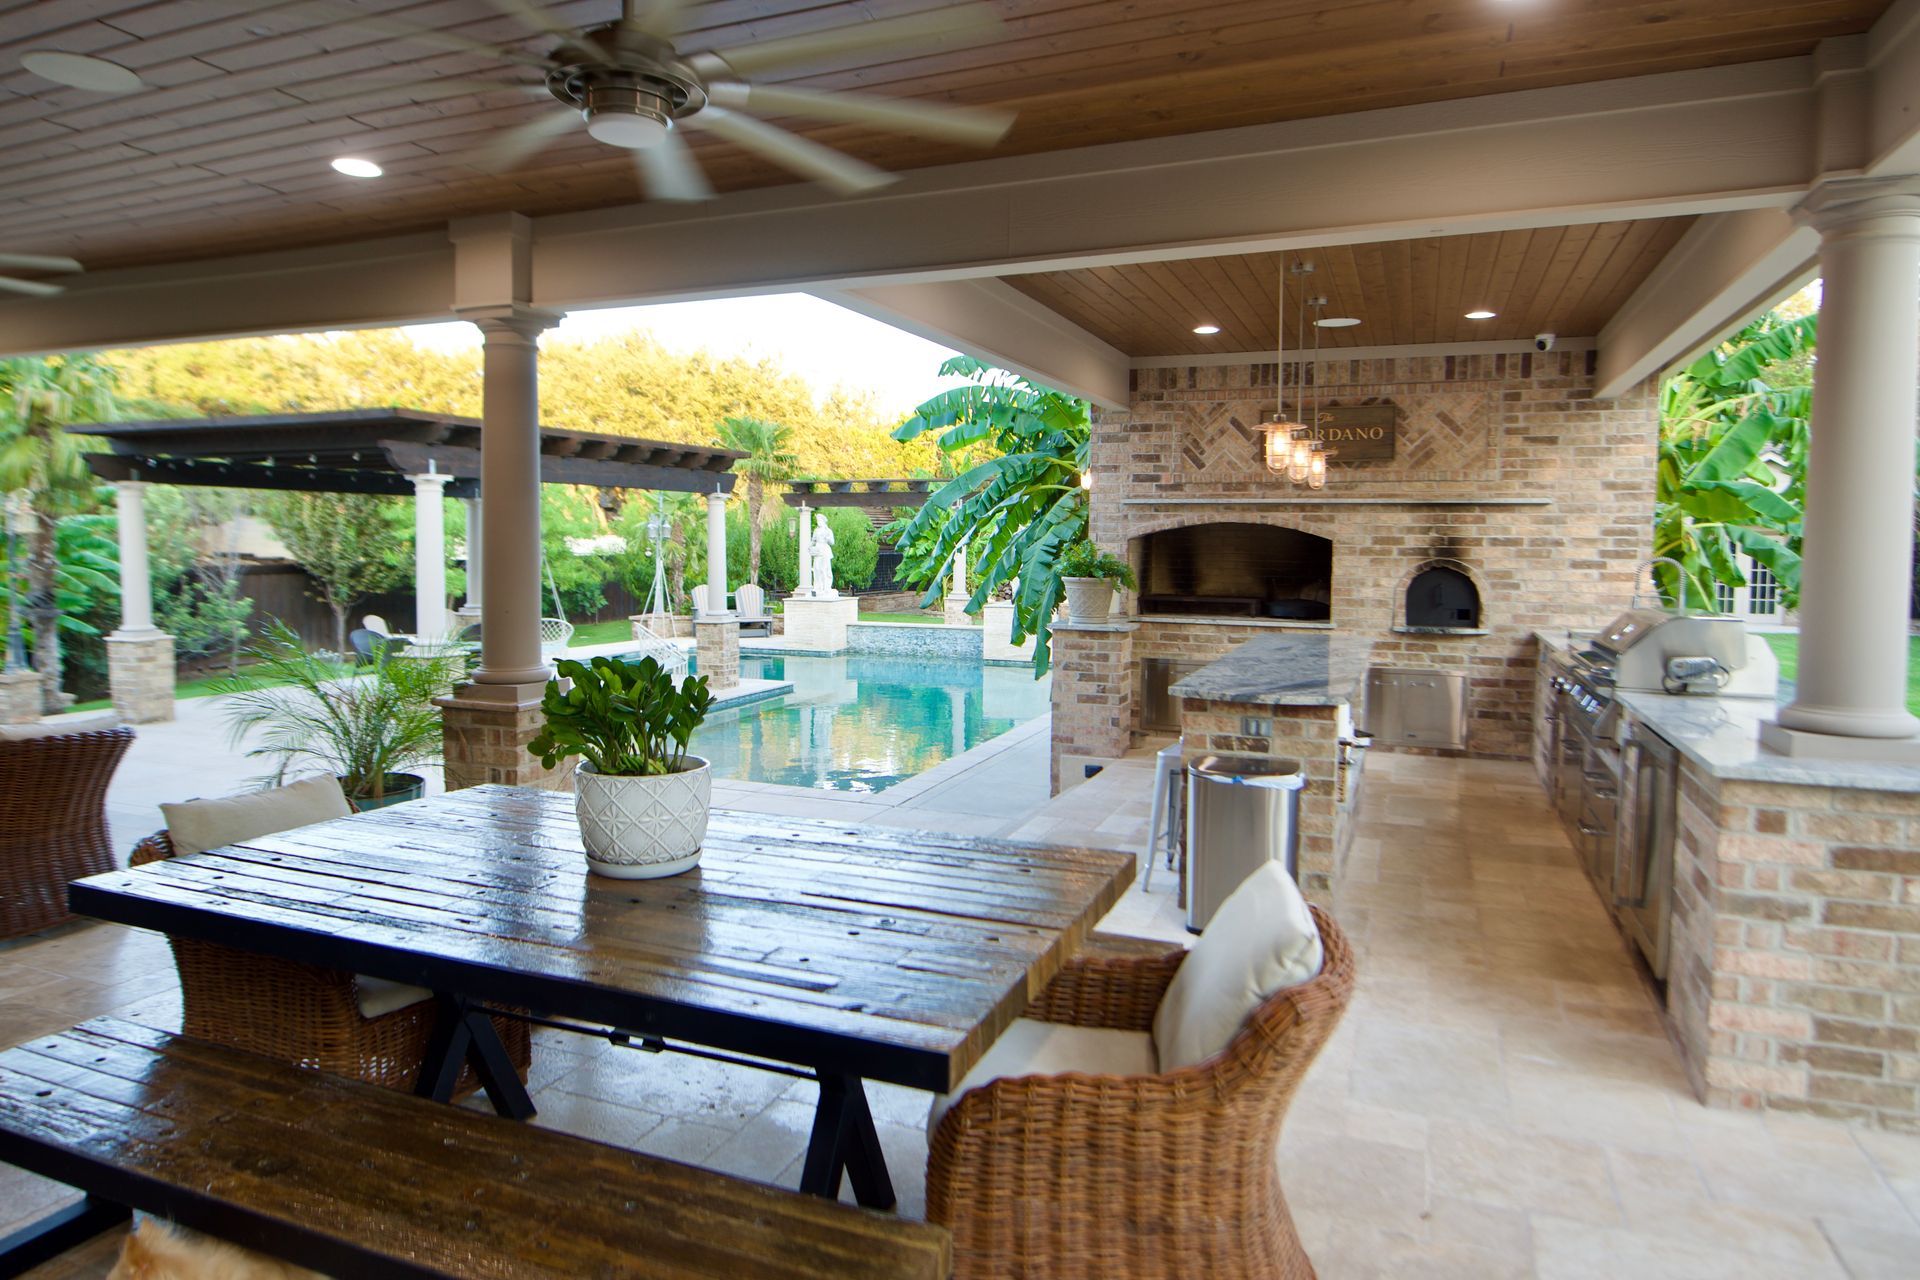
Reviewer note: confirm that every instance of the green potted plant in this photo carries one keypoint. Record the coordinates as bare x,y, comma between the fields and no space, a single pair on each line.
366,729
1090,576
641,799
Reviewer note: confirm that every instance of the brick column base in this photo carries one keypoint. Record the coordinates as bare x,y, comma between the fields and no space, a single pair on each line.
20,697
486,742
140,675
1093,680
717,645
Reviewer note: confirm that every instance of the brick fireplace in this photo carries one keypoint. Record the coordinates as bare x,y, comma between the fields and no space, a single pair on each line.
1505,473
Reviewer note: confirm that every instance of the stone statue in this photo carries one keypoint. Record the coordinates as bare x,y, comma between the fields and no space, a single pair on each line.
823,561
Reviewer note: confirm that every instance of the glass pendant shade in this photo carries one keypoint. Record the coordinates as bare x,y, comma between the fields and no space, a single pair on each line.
1317,472
1279,443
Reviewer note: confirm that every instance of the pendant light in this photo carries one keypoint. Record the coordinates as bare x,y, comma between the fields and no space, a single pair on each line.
1316,476
1285,437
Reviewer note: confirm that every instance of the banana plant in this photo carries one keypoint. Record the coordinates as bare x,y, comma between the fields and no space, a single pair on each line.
1732,462
1017,510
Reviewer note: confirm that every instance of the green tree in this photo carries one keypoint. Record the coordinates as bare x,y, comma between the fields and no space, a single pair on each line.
345,543
1017,509
39,398
1732,461
196,570
767,461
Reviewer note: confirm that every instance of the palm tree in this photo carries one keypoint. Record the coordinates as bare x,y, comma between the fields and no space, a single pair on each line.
767,461
39,397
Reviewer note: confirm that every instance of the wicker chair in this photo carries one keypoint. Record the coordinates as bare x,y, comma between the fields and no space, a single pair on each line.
304,1014
53,821
1171,1175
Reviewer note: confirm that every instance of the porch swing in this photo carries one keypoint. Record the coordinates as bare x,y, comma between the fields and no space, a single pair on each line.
555,632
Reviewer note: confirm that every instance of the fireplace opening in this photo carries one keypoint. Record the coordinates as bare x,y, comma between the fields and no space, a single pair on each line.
1442,597
1236,570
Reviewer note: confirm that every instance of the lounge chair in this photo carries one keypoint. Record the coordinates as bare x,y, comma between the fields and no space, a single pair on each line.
53,815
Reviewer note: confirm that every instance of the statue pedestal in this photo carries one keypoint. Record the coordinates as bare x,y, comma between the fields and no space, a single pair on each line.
819,625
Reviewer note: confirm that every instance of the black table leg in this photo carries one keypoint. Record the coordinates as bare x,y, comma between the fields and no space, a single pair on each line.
463,1035
56,1233
845,1141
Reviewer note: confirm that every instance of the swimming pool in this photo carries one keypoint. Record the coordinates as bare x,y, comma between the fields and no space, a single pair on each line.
865,722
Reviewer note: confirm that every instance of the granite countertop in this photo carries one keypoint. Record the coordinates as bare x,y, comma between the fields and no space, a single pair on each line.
1721,735
1284,671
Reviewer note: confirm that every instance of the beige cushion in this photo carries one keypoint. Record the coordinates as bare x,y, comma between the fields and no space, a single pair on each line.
57,728
379,996
1033,1048
1261,940
199,825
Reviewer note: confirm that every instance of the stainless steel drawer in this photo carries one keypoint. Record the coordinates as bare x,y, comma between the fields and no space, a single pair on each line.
1413,708
1160,710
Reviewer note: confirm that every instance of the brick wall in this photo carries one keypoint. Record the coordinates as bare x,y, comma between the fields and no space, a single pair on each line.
1471,427
1794,977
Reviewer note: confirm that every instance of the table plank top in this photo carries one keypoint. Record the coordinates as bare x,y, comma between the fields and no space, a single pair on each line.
891,954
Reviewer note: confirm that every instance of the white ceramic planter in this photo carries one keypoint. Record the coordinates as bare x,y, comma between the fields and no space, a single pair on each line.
643,828
1089,600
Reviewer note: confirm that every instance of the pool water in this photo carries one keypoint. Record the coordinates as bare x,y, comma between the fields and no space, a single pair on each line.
865,722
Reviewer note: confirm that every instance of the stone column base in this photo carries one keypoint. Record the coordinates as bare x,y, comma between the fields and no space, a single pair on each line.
996,635
1093,680
820,625
140,675
19,697
486,740
955,612
717,644
1832,746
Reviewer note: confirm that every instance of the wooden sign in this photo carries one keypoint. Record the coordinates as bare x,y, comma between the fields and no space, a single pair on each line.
1358,432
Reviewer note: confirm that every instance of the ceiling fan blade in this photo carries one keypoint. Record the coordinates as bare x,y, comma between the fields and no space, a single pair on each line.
670,172
33,288
977,125
657,18
791,151
38,262
513,148
534,18
929,28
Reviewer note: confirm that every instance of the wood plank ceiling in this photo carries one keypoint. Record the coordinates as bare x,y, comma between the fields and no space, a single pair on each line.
226,149
1562,280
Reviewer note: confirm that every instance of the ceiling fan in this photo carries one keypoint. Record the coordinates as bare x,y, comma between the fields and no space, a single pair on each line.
35,262
632,88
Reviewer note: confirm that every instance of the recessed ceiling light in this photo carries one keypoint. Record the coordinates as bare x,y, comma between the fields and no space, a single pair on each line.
1482,314
1337,322
354,167
78,71
1206,328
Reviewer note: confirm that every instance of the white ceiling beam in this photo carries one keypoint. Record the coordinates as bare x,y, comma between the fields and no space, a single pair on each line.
1727,269
993,321
1893,61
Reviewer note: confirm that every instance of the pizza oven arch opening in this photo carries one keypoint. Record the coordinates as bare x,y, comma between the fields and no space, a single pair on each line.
1442,595
1237,570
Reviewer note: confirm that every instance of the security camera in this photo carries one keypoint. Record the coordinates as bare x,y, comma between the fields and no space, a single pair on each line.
1543,342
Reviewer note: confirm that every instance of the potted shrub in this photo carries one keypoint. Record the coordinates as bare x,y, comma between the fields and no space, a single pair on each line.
641,799
367,728
1089,576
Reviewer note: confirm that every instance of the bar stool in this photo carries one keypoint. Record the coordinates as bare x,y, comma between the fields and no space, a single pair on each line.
1166,807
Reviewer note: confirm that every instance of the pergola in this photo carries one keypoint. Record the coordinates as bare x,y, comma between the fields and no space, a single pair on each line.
874,494
397,452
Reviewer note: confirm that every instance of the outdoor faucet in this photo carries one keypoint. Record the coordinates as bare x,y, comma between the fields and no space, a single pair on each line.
1679,573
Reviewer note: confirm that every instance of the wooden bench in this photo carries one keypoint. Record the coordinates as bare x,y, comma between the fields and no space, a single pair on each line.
354,1180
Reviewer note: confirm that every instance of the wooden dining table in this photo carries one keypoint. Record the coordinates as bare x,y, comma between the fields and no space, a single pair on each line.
840,951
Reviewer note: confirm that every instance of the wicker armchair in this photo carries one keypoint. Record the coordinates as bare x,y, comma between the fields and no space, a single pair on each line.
53,821
304,1014
1172,1175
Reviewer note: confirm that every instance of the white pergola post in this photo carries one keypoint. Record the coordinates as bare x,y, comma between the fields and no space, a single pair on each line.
803,583
136,578
430,557
140,675
717,554
1857,563
476,558
510,518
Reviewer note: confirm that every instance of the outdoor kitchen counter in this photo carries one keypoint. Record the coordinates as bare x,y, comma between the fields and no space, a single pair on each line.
1284,671
1721,736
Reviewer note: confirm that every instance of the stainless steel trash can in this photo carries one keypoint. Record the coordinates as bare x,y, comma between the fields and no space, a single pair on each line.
1241,811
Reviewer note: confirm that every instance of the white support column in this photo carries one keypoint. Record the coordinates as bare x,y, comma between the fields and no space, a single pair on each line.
510,519
476,558
1858,550
430,557
717,554
803,583
136,579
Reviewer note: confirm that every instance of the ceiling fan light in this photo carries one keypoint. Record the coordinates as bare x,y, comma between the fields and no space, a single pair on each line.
631,116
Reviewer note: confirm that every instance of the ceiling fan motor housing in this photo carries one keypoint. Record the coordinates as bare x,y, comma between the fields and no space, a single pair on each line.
631,112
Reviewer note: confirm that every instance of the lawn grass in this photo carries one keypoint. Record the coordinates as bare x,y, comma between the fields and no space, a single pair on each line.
198,687
1786,647
903,617
602,632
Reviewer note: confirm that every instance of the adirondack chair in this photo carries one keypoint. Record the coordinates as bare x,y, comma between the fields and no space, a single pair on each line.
751,602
